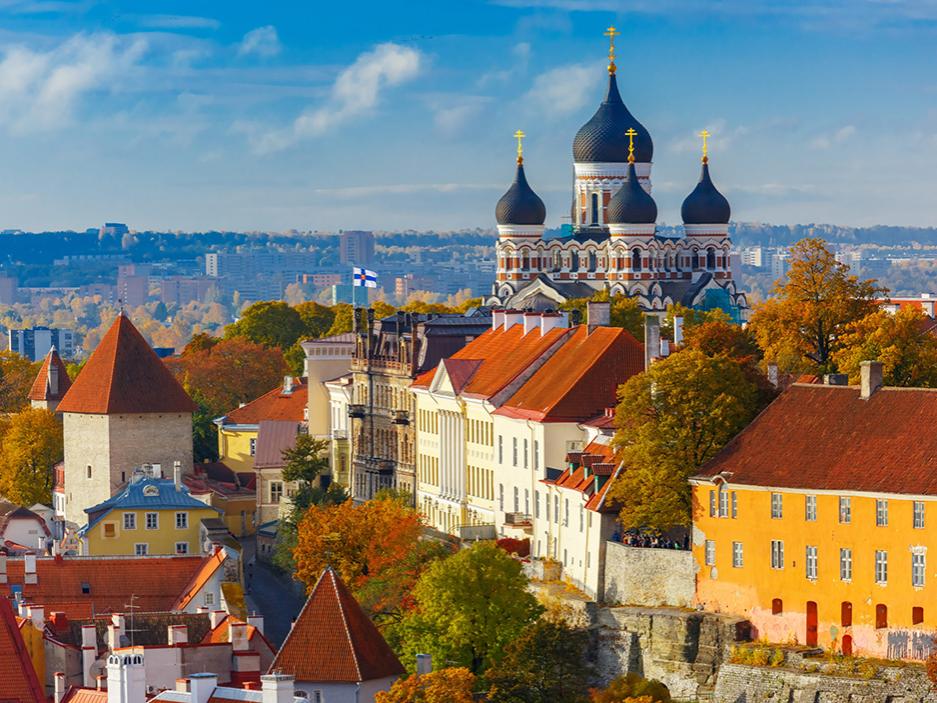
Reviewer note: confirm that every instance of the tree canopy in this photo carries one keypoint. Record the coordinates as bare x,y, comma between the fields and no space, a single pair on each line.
17,374
30,445
451,685
632,688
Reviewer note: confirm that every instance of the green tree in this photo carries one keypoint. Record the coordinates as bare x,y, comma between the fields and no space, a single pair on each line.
343,320
271,323
316,319
204,430
801,327
670,420
625,312
468,608
546,663
306,462
30,446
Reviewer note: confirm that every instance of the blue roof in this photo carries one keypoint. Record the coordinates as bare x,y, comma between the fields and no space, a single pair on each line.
149,494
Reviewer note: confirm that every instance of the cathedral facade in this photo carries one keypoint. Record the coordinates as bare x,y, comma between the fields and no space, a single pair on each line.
613,243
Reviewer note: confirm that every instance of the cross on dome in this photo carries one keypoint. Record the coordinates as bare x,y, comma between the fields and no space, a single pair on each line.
519,136
705,135
611,33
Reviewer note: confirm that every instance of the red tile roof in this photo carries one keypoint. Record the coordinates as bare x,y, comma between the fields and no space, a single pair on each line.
124,375
273,405
85,695
581,379
598,460
157,583
334,640
41,389
206,570
827,438
18,680
219,635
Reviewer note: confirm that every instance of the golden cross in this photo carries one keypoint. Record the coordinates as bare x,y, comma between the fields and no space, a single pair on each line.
631,133
705,135
611,33
519,136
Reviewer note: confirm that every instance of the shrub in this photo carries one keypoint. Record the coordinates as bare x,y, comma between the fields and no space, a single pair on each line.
520,547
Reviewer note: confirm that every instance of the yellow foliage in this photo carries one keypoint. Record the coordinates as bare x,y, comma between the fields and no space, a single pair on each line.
442,686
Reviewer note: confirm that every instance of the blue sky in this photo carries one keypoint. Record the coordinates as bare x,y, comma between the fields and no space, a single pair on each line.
275,115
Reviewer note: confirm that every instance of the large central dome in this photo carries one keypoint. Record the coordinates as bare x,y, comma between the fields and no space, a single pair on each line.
602,139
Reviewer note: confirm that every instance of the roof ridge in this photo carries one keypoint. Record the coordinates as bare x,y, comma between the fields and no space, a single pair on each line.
341,610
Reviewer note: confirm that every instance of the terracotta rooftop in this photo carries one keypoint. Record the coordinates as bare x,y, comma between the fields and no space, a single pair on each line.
594,461
272,405
85,695
828,438
581,379
207,569
52,381
124,375
18,680
83,586
334,640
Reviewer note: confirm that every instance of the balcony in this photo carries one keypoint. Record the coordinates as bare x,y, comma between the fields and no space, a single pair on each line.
517,519
356,410
400,417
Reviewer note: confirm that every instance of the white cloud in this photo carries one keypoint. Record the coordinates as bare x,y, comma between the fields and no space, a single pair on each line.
263,42
564,89
828,141
39,90
178,22
356,91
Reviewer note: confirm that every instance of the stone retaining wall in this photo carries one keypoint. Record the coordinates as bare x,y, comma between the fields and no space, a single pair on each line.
649,577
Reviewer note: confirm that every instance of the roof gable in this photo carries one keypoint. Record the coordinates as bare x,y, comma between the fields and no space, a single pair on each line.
334,640
123,376
52,381
275,404
18,680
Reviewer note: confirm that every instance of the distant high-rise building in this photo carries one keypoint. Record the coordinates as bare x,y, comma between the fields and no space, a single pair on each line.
779,265
180,290
753,256
133,290
356,247
113,229
402,287
7,290
35,343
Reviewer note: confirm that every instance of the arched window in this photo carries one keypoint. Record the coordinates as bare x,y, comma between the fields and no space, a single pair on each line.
574,261
845,613
711,259
881,616
525,260
557,261
635,260
595,208
777,606
592,261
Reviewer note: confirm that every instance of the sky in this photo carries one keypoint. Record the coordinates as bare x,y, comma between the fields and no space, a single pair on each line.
399,115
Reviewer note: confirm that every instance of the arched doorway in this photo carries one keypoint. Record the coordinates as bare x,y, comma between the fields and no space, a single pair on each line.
847,645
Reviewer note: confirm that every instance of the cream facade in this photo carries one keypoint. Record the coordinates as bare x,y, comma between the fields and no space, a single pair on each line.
326,359
339,391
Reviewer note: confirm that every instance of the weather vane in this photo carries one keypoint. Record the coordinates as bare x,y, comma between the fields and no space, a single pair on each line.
519,136
611,33
705,135
631,132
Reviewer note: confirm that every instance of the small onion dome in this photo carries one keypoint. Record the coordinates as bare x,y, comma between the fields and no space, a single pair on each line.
706,205
632,205
520,205
602,140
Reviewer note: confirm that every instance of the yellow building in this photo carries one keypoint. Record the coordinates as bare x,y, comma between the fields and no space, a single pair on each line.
813,522
150,516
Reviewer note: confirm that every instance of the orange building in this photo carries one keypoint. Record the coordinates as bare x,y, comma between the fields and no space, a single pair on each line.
813,522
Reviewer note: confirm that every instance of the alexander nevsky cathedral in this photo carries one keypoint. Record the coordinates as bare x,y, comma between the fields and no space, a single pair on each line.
613,241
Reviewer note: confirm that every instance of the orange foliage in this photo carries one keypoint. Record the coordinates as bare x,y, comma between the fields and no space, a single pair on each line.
443,686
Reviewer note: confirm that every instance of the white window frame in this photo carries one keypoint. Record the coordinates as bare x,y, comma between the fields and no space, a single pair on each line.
208,598
810,563
738,555
881,512
184,550
279,492
881,567
185,521
919,515
918,569
845,510
141,549
155,525
845,564
810,508
723,501
710,552
777,554
712,503
130,521
735,505
777,506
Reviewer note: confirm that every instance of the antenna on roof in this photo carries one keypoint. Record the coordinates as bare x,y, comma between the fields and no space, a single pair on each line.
132,607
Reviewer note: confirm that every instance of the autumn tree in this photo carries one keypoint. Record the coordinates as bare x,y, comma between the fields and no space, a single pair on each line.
901,341
625,312
452,685
670,420
17,374
546,663
31,444
342,322
468,608
631,687
272,323
802,326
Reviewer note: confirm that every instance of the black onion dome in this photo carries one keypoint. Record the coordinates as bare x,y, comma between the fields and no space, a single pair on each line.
520,205
706,205
632,205
602,139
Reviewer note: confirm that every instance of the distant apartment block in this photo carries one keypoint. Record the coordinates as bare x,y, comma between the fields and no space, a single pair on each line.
35,343
754,257
133,290
113,229
181,290
321,280
7,290
107,292
356,247
258,275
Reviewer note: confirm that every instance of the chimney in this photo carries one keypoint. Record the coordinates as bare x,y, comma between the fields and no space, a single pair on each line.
201,687
126,677
531,322
287,385
871,374
177,474
202,609
276,688
257,621
215,617
551,320
59,686
182,685
651,339
100,682
598,314
29,568
37,615
773,377
115,630
512,317
237,636
424,664
89,653
176,635
497,319
678,330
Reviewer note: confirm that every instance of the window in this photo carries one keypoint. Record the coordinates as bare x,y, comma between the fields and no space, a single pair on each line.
881,616
919,515
152,521
595,208
881,513
514,451
566,513
777,554
723,502
845,510
140,550
735,505
777,505
811,563
917,615
917,570
517,507
737,560
209,598
710,552
537,504
712,504
276,491
845,613
525,454
547,502
556,509
777,606
89,471
810,509
845,564
500,449
253,445
130,521
182,521
110,529
182,547
501,496
536,454
881,566
582,518
316,696
526,501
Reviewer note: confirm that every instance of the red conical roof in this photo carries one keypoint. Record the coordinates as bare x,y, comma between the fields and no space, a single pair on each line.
42,386
124,376
334,640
